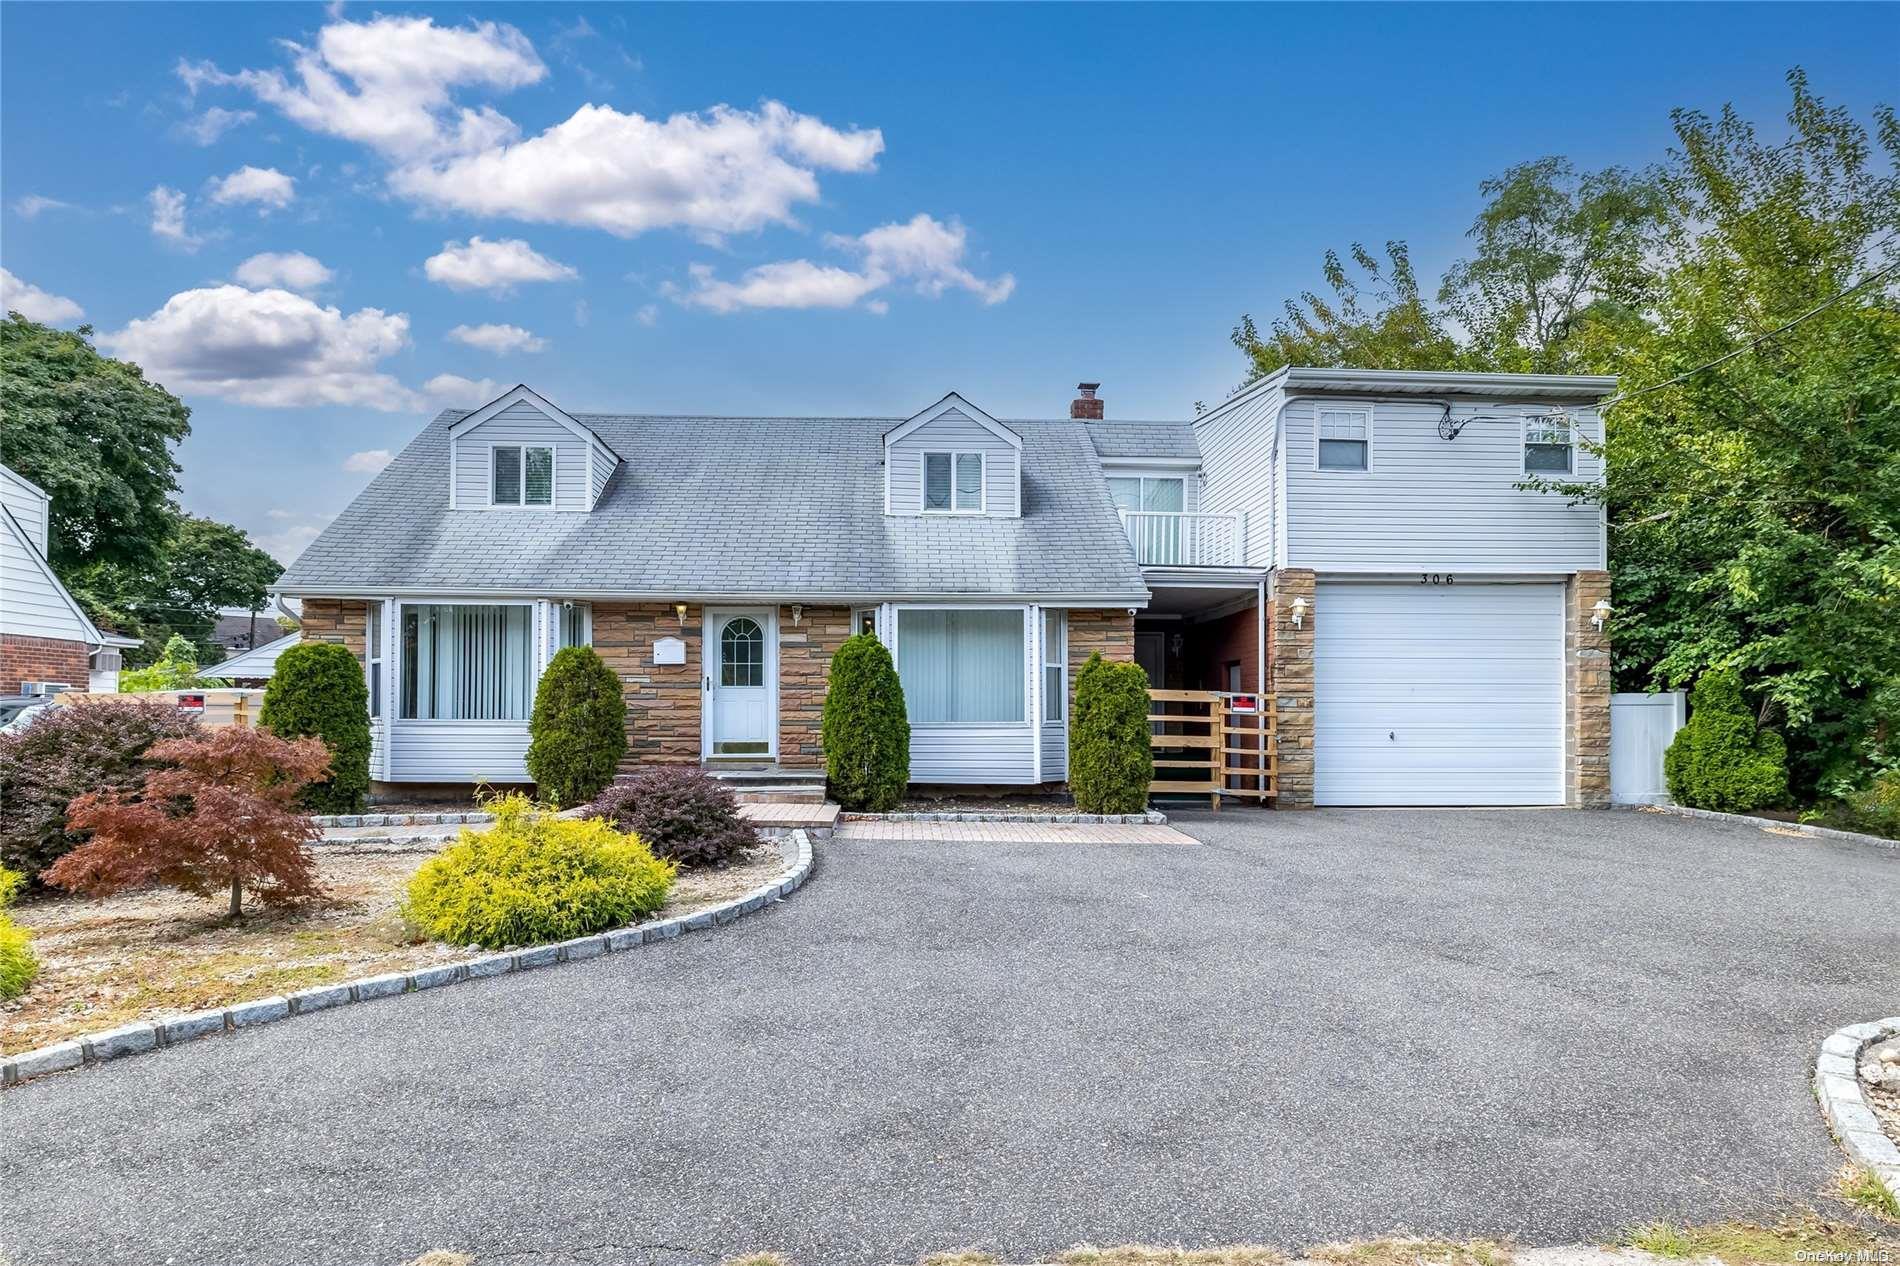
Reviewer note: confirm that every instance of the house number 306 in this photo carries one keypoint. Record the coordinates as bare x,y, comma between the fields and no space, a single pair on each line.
1435,578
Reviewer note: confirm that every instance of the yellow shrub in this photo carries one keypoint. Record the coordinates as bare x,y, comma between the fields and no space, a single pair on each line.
534,877
18,966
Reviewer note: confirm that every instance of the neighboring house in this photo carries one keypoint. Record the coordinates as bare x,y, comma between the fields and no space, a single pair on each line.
45,638
242,629
1425,626
253,668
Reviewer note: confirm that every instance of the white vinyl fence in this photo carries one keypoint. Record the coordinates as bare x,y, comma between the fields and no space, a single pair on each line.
1641,727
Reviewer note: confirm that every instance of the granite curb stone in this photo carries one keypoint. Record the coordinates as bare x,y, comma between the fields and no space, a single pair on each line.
1837,1089
1767,824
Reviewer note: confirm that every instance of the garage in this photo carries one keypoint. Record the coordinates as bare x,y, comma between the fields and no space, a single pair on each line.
1447,692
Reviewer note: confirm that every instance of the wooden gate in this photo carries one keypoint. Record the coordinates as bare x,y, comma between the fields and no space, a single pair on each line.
1212,743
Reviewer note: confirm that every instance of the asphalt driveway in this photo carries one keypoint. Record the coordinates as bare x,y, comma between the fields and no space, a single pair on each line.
1549,1025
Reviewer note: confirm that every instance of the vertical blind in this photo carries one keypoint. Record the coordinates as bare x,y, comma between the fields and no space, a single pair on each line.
466,663
961,666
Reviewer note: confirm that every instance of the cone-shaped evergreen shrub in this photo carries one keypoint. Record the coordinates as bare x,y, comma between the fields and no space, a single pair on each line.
579,729
317,689
1720,760
866,730
1111,761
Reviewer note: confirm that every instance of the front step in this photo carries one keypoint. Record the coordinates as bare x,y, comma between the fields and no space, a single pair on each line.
756,783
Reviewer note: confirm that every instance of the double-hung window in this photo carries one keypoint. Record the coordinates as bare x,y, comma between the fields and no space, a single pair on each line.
962,667
953,483
1055,691
521,475
467,662
1548,445
1345,438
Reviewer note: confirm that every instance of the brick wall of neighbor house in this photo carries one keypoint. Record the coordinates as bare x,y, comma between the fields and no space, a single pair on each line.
1586,693
336,620
1110,630
804,666
1290,677
42,659
662,700
1217,643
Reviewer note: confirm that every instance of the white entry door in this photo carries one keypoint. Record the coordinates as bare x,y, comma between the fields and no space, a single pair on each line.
739,694
1446,694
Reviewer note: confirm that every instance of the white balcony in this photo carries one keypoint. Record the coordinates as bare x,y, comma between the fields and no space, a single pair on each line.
1164,538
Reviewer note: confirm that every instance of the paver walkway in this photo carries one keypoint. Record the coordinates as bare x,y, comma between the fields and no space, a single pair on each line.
1014,832
794,814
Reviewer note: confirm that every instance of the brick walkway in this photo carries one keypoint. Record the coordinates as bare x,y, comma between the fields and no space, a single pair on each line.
1013,832
790,814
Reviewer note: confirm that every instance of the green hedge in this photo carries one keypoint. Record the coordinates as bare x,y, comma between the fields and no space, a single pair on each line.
317,689
1111,757
579,729
1720,760
866,731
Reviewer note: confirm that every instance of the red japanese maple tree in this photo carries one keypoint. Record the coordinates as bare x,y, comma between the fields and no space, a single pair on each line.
220,813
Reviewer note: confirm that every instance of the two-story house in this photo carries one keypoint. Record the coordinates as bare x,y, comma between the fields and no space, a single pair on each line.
1427,629
47,643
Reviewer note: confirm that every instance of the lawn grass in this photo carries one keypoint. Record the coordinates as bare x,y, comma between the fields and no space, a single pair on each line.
1862,1188
1401,1250
1795,1239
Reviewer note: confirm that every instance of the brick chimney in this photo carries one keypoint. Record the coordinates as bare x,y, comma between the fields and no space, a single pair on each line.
1085,405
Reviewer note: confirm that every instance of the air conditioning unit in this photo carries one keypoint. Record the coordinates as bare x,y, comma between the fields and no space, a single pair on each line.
44,687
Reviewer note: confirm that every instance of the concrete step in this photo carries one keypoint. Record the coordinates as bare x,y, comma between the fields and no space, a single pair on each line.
761,783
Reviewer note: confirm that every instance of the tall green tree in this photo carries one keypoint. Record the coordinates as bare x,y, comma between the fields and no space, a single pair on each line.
96,436
1381,322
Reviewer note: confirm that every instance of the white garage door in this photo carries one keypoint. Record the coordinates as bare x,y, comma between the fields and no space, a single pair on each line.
1438,694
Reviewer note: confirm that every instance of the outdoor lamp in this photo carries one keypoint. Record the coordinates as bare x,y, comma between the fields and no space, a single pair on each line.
1599,613
679,609
798,612
1299,612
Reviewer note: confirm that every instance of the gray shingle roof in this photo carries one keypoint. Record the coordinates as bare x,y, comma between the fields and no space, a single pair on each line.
705,507
1144,439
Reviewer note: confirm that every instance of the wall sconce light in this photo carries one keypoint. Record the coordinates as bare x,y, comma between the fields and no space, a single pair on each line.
798,613
1175,643
1299,612
679,609
1599,613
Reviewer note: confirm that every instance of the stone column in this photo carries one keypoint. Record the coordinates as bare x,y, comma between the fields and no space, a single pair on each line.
1290,681
1586,693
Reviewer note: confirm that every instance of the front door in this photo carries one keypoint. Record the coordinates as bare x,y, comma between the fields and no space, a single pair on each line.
738,684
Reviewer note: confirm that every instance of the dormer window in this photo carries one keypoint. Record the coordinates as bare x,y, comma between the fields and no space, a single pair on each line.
1548,446
953,483
521,475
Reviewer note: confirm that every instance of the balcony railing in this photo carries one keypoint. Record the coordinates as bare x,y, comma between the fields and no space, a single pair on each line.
1166,539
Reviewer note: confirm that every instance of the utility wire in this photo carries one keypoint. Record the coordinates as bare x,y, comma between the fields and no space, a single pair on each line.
1752,344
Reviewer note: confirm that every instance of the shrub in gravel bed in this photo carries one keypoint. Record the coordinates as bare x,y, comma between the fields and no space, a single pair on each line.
68,751
534,877
317,690
683,815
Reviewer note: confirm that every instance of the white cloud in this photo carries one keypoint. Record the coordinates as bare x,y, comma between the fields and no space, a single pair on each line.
719,171
388,82
168,219
287,542
293,270
206,128
369,461
280,514
923,252
266,186
35,304
32,205
495,266
268,347
499,339
649,314
456,392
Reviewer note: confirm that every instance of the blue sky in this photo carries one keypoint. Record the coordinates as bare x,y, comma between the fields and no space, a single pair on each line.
739,209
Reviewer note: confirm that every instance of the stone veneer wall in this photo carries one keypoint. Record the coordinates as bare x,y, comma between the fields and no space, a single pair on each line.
336,620
662,700
1110,630
43,659
1290,678
1586,693
804,668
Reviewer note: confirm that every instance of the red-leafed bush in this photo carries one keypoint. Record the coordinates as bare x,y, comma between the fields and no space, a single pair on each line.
682,814
220,814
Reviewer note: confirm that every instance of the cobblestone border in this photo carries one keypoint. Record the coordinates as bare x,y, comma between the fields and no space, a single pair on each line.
1837,1087
327,820
1154,817
147,1035
1767,824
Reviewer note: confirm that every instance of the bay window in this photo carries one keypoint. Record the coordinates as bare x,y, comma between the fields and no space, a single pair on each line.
467,662
962,667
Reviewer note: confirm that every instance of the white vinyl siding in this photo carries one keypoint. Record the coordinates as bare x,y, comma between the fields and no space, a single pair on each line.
465,752
954,431
601,465
1236,443
32,602
1436,694
1429,504
575,467
29,505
